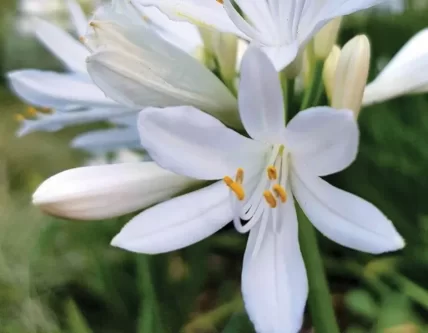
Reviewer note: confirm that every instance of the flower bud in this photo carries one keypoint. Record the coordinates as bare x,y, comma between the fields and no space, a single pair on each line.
326,38
226,48
329,70
351,74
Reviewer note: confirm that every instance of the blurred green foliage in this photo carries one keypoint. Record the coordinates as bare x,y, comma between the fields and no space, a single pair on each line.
62,276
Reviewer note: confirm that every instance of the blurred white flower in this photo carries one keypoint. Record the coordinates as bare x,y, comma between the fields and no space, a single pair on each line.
72,98
135,67
406,73
259,179
281,28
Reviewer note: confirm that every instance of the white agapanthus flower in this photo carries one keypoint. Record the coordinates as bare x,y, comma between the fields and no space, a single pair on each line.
72,97
406,73
281,28
135,67
256,182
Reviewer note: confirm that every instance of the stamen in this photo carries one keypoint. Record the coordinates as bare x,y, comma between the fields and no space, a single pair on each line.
221,2
32,112
239,176
270,199
235,188
272,172
19,117
280,192
281,150
46,110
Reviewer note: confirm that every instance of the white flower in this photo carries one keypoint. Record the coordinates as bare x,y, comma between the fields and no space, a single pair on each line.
259,177
406,73
135,67
72,97
281,28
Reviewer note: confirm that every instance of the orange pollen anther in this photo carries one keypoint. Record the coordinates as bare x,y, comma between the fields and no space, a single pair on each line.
272,173
280,192
32,112
270,199
220,1
235,188
19,117
239,176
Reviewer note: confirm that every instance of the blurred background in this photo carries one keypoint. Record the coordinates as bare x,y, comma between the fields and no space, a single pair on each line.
62,276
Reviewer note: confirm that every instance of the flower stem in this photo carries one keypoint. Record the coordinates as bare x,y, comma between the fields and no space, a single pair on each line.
314,91
320,301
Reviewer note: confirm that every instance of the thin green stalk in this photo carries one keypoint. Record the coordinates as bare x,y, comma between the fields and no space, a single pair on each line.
320,301
313,93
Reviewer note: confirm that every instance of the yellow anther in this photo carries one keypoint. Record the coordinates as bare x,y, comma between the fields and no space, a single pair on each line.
235,188
272,173
270,199
228,180
280,192
46,110
32,112
220,1
239,176
19,117
281,150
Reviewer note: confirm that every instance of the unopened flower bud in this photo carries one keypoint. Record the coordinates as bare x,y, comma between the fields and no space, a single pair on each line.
351,74
226,48
329,71
326,38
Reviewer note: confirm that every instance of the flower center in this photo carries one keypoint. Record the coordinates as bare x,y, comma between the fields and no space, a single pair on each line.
258,197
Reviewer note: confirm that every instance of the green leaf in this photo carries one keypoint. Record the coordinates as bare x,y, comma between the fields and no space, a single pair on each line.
362,303
76,323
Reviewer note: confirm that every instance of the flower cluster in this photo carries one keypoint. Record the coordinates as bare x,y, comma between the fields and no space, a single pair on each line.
169,75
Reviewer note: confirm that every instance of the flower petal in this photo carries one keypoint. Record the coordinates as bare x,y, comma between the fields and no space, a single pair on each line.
404,74
274,282
177,223
77,16
101,141
281,56
323,140
204,13
190,142
62,45
58,120
98,192
183,35
261,103
138,68
57,90
343,217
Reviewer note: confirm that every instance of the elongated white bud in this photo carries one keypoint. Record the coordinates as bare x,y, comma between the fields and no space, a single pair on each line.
329,70
351,74
326,38
97,192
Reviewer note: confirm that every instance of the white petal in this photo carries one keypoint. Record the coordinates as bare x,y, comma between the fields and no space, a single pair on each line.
98,192
190,142
274,282
177,223
204,13
405,73
138,68
100,141
323,140
183,35
58,120
57,90
343,217
62,45
78,17
261,103
281,56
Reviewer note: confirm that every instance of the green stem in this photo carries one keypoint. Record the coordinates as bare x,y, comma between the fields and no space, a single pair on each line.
320,301
313,93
